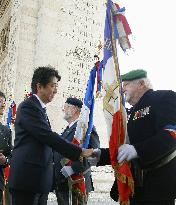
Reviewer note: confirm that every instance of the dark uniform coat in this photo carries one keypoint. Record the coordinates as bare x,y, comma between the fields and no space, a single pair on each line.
60,180
149,130
154,142
32,156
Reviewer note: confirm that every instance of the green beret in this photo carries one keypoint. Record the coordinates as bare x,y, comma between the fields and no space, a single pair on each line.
134,74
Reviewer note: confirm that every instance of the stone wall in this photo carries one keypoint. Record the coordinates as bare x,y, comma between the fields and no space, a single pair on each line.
66,35
63,34
6,70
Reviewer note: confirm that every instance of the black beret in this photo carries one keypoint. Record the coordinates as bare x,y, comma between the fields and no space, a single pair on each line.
74,101
134,74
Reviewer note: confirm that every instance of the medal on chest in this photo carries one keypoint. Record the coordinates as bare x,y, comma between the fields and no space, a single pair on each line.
141,113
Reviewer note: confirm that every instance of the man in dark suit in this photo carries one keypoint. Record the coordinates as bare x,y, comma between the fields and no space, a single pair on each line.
152,135
31,173
5,152
72,109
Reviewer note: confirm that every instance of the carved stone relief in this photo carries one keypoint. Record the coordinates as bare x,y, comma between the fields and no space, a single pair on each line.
8,48
3,5
4,40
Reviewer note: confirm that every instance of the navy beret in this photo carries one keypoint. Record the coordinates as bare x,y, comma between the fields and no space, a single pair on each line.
74,101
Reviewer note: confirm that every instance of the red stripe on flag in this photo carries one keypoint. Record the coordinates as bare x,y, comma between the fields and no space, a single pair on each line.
117,136
125,182
75,141
122,171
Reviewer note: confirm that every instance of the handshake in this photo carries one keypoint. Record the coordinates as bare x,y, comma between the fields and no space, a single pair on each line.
125,152
92,155
95,157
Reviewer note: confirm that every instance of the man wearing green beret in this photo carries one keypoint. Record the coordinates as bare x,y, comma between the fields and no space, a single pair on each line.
152,136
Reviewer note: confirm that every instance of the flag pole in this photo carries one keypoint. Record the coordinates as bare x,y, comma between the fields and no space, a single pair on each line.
114,48
70,190
119,124
4,197
115,53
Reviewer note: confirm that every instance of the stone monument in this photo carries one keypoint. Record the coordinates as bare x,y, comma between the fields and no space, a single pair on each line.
63,34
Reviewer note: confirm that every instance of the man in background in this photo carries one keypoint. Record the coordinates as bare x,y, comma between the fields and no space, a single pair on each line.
72,109
5,153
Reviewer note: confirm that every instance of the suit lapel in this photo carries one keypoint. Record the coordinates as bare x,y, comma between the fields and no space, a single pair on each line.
70,132
38,105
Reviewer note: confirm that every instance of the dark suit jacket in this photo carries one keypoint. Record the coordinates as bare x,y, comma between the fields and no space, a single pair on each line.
32,156
147,132
77,166
7,137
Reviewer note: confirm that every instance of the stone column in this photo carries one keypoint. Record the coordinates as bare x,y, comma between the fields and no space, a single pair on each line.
26,14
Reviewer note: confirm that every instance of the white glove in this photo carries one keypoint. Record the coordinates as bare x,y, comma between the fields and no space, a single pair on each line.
67,171
95,157
126,152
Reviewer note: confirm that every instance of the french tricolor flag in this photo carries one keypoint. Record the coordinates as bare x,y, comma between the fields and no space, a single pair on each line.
113,105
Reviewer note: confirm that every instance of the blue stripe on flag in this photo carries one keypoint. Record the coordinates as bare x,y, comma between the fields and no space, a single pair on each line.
9,117
108,35
89,102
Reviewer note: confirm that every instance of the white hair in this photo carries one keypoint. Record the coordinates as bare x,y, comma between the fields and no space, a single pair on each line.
147,82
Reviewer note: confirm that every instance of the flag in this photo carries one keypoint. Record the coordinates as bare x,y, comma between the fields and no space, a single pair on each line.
83,132
11,115
85,121
122,26
114,105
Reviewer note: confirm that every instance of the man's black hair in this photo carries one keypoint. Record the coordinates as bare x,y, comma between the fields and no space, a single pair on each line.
43,75
2,95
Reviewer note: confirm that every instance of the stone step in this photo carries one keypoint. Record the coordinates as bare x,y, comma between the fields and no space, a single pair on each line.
94,199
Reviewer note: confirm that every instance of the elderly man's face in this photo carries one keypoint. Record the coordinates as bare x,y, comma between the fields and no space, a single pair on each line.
68,110
130,90
2,105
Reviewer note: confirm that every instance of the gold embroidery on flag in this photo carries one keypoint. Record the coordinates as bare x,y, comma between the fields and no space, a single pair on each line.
110,93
